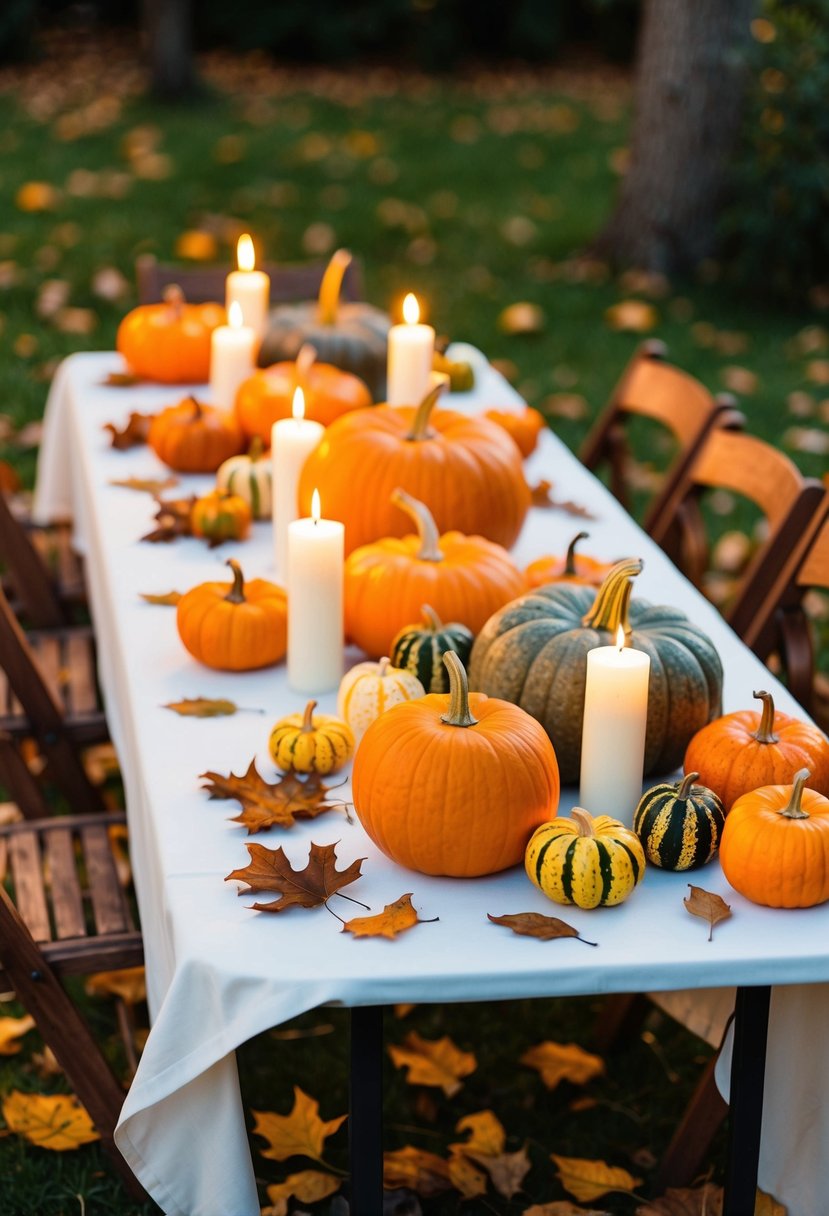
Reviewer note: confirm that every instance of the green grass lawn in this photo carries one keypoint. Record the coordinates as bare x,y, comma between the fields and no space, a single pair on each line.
475,192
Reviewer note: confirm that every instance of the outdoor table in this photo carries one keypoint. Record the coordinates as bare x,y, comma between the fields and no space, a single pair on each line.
218,973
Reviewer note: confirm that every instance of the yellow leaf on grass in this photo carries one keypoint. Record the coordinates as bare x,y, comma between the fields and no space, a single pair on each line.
11,1031
487,1134
632,316
587,1180
561,1207
129,983
417,1170
54,1121
301,1133
563,1062
466,1177
308,1186
433,1062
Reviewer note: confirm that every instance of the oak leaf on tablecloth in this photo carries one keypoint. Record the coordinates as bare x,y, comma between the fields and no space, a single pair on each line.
562,1062
708,906
173,519
587,1179
12,1031
435,1062
53,1121
270,870
207,707
705,1200
536,924
417,1170
541,496
166,599
395,918
121,380
267,804
134,431
145,485
302,1133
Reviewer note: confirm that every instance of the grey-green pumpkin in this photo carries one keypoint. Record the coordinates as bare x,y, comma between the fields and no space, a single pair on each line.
533,652
679,824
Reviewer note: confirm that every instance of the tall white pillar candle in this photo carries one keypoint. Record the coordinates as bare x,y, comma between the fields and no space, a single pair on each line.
249,288
232,358
613,732
292,442
315,602
411,348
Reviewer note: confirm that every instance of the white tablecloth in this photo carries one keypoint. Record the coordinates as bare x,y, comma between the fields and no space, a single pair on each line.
219,973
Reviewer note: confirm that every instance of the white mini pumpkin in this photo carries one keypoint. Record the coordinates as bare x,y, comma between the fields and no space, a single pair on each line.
368,689
250,477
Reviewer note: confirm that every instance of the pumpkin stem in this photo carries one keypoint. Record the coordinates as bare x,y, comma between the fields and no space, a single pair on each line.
256,449
610,607
570,560
330,287
685,786
384,666
431,618
458,712
765,731
305,360
420,423
197,410
308,718
793,809
173,297
236,594
584,821
424,522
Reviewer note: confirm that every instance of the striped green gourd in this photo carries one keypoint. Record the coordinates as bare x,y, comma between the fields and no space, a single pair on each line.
679,825
250,477
585,861
420,649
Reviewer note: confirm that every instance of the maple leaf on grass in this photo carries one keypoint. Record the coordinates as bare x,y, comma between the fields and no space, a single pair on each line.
587,1179
708,906
267,804
270,870
487,1134
535,924
129,983
561,1207
394,919
308,1186
54,1121
435,1062
417,1170
208,707
563,1062
12,1031
134,432
705,1200
302,1133
466,1177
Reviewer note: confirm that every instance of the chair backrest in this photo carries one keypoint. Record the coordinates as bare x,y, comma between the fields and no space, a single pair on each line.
26,571
652,388
201,283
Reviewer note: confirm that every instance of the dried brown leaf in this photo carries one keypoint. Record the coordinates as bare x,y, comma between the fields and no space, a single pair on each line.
587,1179
173,520
507,1171
540,496
708,906
705,1200
561,1207
146,485
393,920
205,707
558,1062
631,316
270,870
267,804
167,598
466,1177
121,380
435,1062
133,432
536,924
419,1171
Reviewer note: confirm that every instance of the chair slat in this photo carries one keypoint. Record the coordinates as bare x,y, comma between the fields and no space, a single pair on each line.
47,650
108,903
67,902
27,875
80,661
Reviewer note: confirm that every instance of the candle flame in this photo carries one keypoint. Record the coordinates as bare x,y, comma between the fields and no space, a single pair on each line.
298,403
620,637
235,316
316,510
411,309
245,256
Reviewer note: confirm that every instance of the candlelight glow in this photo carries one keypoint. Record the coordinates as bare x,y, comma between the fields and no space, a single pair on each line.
245,256
411,309
316,511
235,316
298,403
620,637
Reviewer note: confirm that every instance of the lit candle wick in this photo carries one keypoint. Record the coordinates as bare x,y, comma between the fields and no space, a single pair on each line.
620,638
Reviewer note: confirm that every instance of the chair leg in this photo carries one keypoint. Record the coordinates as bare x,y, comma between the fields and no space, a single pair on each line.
23,787
621,1017
704,1115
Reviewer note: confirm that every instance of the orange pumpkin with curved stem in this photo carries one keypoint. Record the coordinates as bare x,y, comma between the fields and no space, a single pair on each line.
195,438
267,395
741,751
463,578
524,426
465,469
170,342
775,845
572,568
486,778
235,626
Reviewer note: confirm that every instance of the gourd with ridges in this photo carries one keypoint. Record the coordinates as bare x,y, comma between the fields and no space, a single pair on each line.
584,860
220,516
235,626
305,743
420,649
369,689
250,477
679,824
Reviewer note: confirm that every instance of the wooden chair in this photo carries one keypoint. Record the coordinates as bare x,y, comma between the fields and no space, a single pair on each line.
64,912
654,389
48,694
42,573
202,283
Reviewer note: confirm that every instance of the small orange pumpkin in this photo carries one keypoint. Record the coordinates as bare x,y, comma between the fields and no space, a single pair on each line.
463,578
195,438
220,516
170,342
775,845
524,426
572,568
234,626
742,751
268,394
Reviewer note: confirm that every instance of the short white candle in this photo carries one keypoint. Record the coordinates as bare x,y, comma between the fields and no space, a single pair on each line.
292,442
411,348
232,358
249,288
315,602
613,732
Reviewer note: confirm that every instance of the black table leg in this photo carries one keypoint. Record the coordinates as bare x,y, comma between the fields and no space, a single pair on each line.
748,1067
365,1122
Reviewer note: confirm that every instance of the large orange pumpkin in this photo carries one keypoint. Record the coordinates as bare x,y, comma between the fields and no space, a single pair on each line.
195,438
454,784
466,470
463,578
741,751
234,626
572,568
170,342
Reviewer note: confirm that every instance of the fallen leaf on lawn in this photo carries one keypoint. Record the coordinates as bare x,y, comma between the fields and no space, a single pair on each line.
395,918
11,1031
167,598
54,1121
818,371
731,552
435,1062
417,1170
705,1200
308,1186
270,870
631,316
563,1062
207,707
707,905
146,485
118,840
561,1207
37,196
806,439
129,983
197,246
173,520
587,1180
522,318
133,432
540,496
45,1064
75,321
302,1133
740,380
506,1171
267,804
466,1177
487,1134
536,924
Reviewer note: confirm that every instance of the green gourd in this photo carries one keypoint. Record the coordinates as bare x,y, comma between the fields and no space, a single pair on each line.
419,649
679,824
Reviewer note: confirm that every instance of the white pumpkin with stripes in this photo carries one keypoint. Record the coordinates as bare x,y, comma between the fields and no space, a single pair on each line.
250,477
369,689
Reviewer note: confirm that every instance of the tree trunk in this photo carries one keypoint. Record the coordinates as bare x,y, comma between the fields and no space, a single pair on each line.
168,30
689,88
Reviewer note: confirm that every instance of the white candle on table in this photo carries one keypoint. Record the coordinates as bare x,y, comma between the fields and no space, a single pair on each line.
292,442
315,602
613,732
249,288
232,358
411,348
